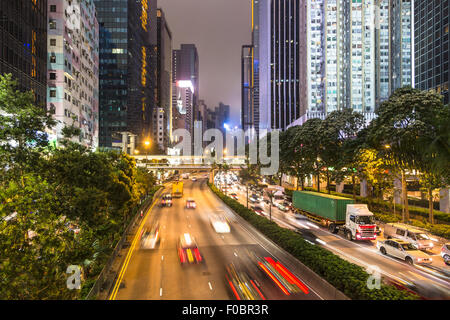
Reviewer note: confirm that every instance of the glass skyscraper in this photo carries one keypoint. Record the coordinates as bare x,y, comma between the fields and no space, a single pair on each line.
23,44
127,68
431,45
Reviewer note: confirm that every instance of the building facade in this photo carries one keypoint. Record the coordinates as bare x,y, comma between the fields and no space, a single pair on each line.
23,45
162,133
326,55
73,68
247,113
431,46
128,47
185,67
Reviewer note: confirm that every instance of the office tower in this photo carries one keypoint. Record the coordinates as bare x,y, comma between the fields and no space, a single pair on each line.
185,67
127,68
182,105
73,61
247,88
326,55
222,117
431,46
23,45
162,132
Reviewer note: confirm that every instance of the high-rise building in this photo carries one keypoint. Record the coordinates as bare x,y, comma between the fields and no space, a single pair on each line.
431,46
183,105
73,62
128,47
326,55
185,67
222,117
23,45
162,126
247,88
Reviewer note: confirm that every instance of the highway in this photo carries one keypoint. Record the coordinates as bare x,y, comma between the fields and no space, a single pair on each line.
158,274
431,283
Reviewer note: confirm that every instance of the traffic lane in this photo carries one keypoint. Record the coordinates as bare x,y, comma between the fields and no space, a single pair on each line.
268,249
364,253
143,271
242,253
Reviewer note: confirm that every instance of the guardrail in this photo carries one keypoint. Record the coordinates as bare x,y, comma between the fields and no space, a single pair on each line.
108,275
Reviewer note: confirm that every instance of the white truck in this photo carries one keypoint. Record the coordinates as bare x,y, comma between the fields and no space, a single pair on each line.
337,213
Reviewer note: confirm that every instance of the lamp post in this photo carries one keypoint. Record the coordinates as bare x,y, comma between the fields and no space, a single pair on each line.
147,145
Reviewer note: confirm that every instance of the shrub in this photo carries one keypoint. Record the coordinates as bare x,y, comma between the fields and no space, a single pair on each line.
343,275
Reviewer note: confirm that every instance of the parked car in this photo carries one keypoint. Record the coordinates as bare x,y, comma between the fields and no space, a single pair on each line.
417,237
403,250
445,253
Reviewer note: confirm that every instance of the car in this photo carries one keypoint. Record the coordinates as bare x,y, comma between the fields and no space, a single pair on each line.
258,209
403,250
445,253
166,200
188,250
241,284
414,235
190,203
194,179
281,207
150,237
220,224
234,196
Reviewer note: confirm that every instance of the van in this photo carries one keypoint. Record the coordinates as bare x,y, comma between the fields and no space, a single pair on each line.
417,237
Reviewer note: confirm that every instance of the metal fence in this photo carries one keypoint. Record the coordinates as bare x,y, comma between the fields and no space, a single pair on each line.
108,275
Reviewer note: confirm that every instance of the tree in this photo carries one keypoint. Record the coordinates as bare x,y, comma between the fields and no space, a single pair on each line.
22,130
36,247
404,129
271,194
248,175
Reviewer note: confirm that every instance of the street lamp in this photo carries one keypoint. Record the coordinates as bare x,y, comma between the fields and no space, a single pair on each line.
147,145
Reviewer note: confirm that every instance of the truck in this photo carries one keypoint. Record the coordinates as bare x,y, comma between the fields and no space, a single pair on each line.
337,214
177,189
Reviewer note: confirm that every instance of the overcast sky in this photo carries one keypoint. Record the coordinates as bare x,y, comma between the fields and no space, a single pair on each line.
218,28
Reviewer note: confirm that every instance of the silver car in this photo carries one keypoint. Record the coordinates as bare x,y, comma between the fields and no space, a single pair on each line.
403,250
445,253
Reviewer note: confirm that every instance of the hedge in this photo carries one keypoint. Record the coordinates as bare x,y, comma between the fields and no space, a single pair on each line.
347,277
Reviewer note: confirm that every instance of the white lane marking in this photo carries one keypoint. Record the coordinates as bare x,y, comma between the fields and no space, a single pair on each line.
210,286
160,292
164,227
309,242
312,225
189,226
321,241
235,254
162,258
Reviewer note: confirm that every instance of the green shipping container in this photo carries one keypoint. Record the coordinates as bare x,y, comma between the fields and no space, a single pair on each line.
322,205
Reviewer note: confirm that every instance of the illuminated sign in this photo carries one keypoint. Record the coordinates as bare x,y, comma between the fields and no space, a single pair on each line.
144,67
185,84
33,51
144,15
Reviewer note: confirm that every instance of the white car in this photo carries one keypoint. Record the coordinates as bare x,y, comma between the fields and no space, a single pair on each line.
403,250
220,224
445,253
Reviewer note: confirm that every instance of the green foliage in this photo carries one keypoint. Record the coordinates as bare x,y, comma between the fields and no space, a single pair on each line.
54,192
343,275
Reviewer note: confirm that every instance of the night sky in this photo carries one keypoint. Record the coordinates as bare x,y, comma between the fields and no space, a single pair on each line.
218,28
